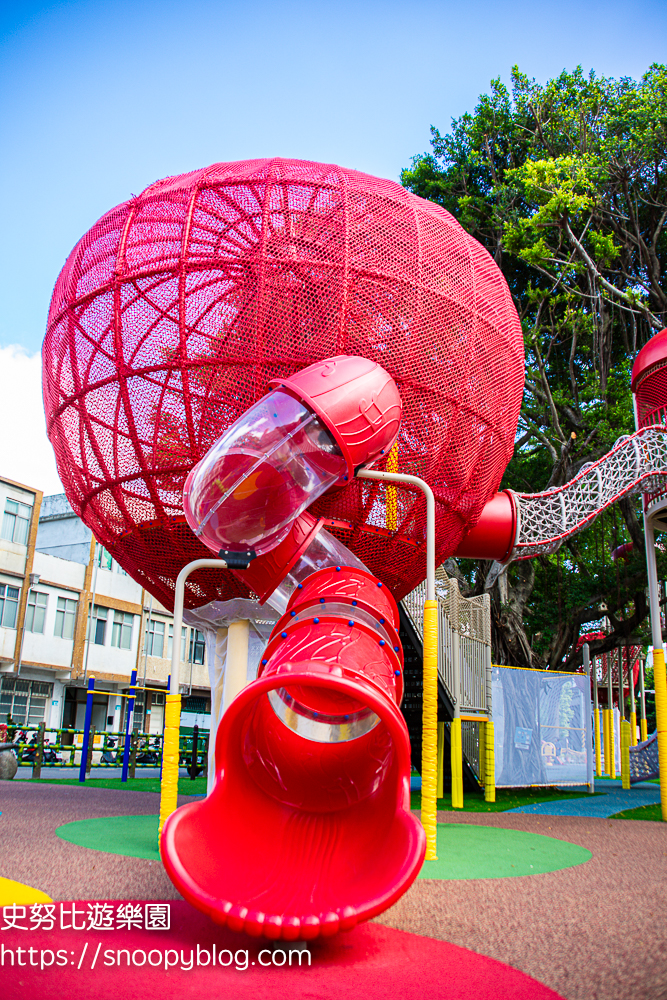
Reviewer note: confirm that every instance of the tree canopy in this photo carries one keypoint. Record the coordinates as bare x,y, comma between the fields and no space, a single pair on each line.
565,185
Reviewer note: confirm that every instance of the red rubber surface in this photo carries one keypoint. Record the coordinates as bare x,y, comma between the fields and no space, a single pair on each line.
371,961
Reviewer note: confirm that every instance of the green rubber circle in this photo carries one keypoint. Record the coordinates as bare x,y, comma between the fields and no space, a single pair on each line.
130,836
470,852
464,851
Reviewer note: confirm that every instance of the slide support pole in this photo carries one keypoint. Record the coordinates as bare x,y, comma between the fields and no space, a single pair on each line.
633,706
625,753
643,728
596,711
490,777
430,663
172,714
659,678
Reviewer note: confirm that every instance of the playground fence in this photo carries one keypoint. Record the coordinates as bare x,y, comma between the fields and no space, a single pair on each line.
543,728
68,743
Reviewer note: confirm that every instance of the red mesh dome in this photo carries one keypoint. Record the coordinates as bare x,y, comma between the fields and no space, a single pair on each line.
176,309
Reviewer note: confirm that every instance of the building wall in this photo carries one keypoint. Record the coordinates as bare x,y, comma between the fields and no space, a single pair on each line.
61,550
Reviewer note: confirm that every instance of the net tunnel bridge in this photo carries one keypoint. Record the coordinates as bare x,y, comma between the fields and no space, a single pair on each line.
513,526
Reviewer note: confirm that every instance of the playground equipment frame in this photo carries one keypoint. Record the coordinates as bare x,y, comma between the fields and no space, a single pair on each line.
169,783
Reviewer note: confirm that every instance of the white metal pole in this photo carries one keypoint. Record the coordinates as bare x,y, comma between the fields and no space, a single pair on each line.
179,598
590,742
397,477
659,678
172,713
642,700
91,612
236,668
429,813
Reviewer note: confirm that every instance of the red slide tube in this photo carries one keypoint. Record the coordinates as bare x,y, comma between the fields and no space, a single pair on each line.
308,827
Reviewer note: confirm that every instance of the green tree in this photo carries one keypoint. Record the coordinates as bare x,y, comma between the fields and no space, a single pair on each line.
565,185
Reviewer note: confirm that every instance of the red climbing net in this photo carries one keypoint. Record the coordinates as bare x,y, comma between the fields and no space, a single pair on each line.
175,310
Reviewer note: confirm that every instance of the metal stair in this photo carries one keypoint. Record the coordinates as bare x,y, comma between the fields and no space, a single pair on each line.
464,631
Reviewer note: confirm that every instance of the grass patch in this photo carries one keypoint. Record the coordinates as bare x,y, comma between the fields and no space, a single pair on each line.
652,812
506,798
185,785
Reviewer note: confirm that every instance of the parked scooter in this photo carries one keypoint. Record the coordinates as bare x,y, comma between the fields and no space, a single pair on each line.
29,754
147,754
109,757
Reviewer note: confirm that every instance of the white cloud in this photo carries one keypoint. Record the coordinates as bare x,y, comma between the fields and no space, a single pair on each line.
26,455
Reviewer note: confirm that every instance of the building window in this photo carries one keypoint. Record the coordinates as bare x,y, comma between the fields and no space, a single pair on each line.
196,704
16,522
103,558
97,633
65,618
197,646
170,642
9,605
154,639
25,701
138,712
121,633
36,611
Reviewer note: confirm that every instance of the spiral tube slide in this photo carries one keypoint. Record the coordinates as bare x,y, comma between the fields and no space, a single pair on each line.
308,828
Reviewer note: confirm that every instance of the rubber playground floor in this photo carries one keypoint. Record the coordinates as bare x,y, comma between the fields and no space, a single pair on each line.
557,890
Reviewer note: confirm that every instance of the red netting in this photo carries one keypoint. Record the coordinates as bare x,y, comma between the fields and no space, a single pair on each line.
174,311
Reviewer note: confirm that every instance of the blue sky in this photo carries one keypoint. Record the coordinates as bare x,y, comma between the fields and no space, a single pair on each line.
99,99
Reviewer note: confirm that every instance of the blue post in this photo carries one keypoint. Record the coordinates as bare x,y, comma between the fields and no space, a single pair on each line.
128,725
86,729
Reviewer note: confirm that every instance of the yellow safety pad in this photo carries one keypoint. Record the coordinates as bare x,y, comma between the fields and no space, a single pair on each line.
16,892
660,685
457,763
430,729
169,783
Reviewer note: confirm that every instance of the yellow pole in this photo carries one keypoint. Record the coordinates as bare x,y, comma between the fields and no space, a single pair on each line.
172,711
169,784
482,753
457,763
605,738
391,497
625,753
633,729
612,743
660,685
598,755
430,729
441,759
490,775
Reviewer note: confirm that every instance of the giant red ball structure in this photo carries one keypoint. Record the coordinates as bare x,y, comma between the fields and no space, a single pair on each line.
175,311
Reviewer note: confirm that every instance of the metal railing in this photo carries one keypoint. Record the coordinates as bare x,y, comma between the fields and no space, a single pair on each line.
464,641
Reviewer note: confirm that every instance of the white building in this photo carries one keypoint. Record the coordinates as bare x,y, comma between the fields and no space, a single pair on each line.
52,573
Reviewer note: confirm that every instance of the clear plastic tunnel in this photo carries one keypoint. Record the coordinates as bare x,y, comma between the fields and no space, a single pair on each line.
270,465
